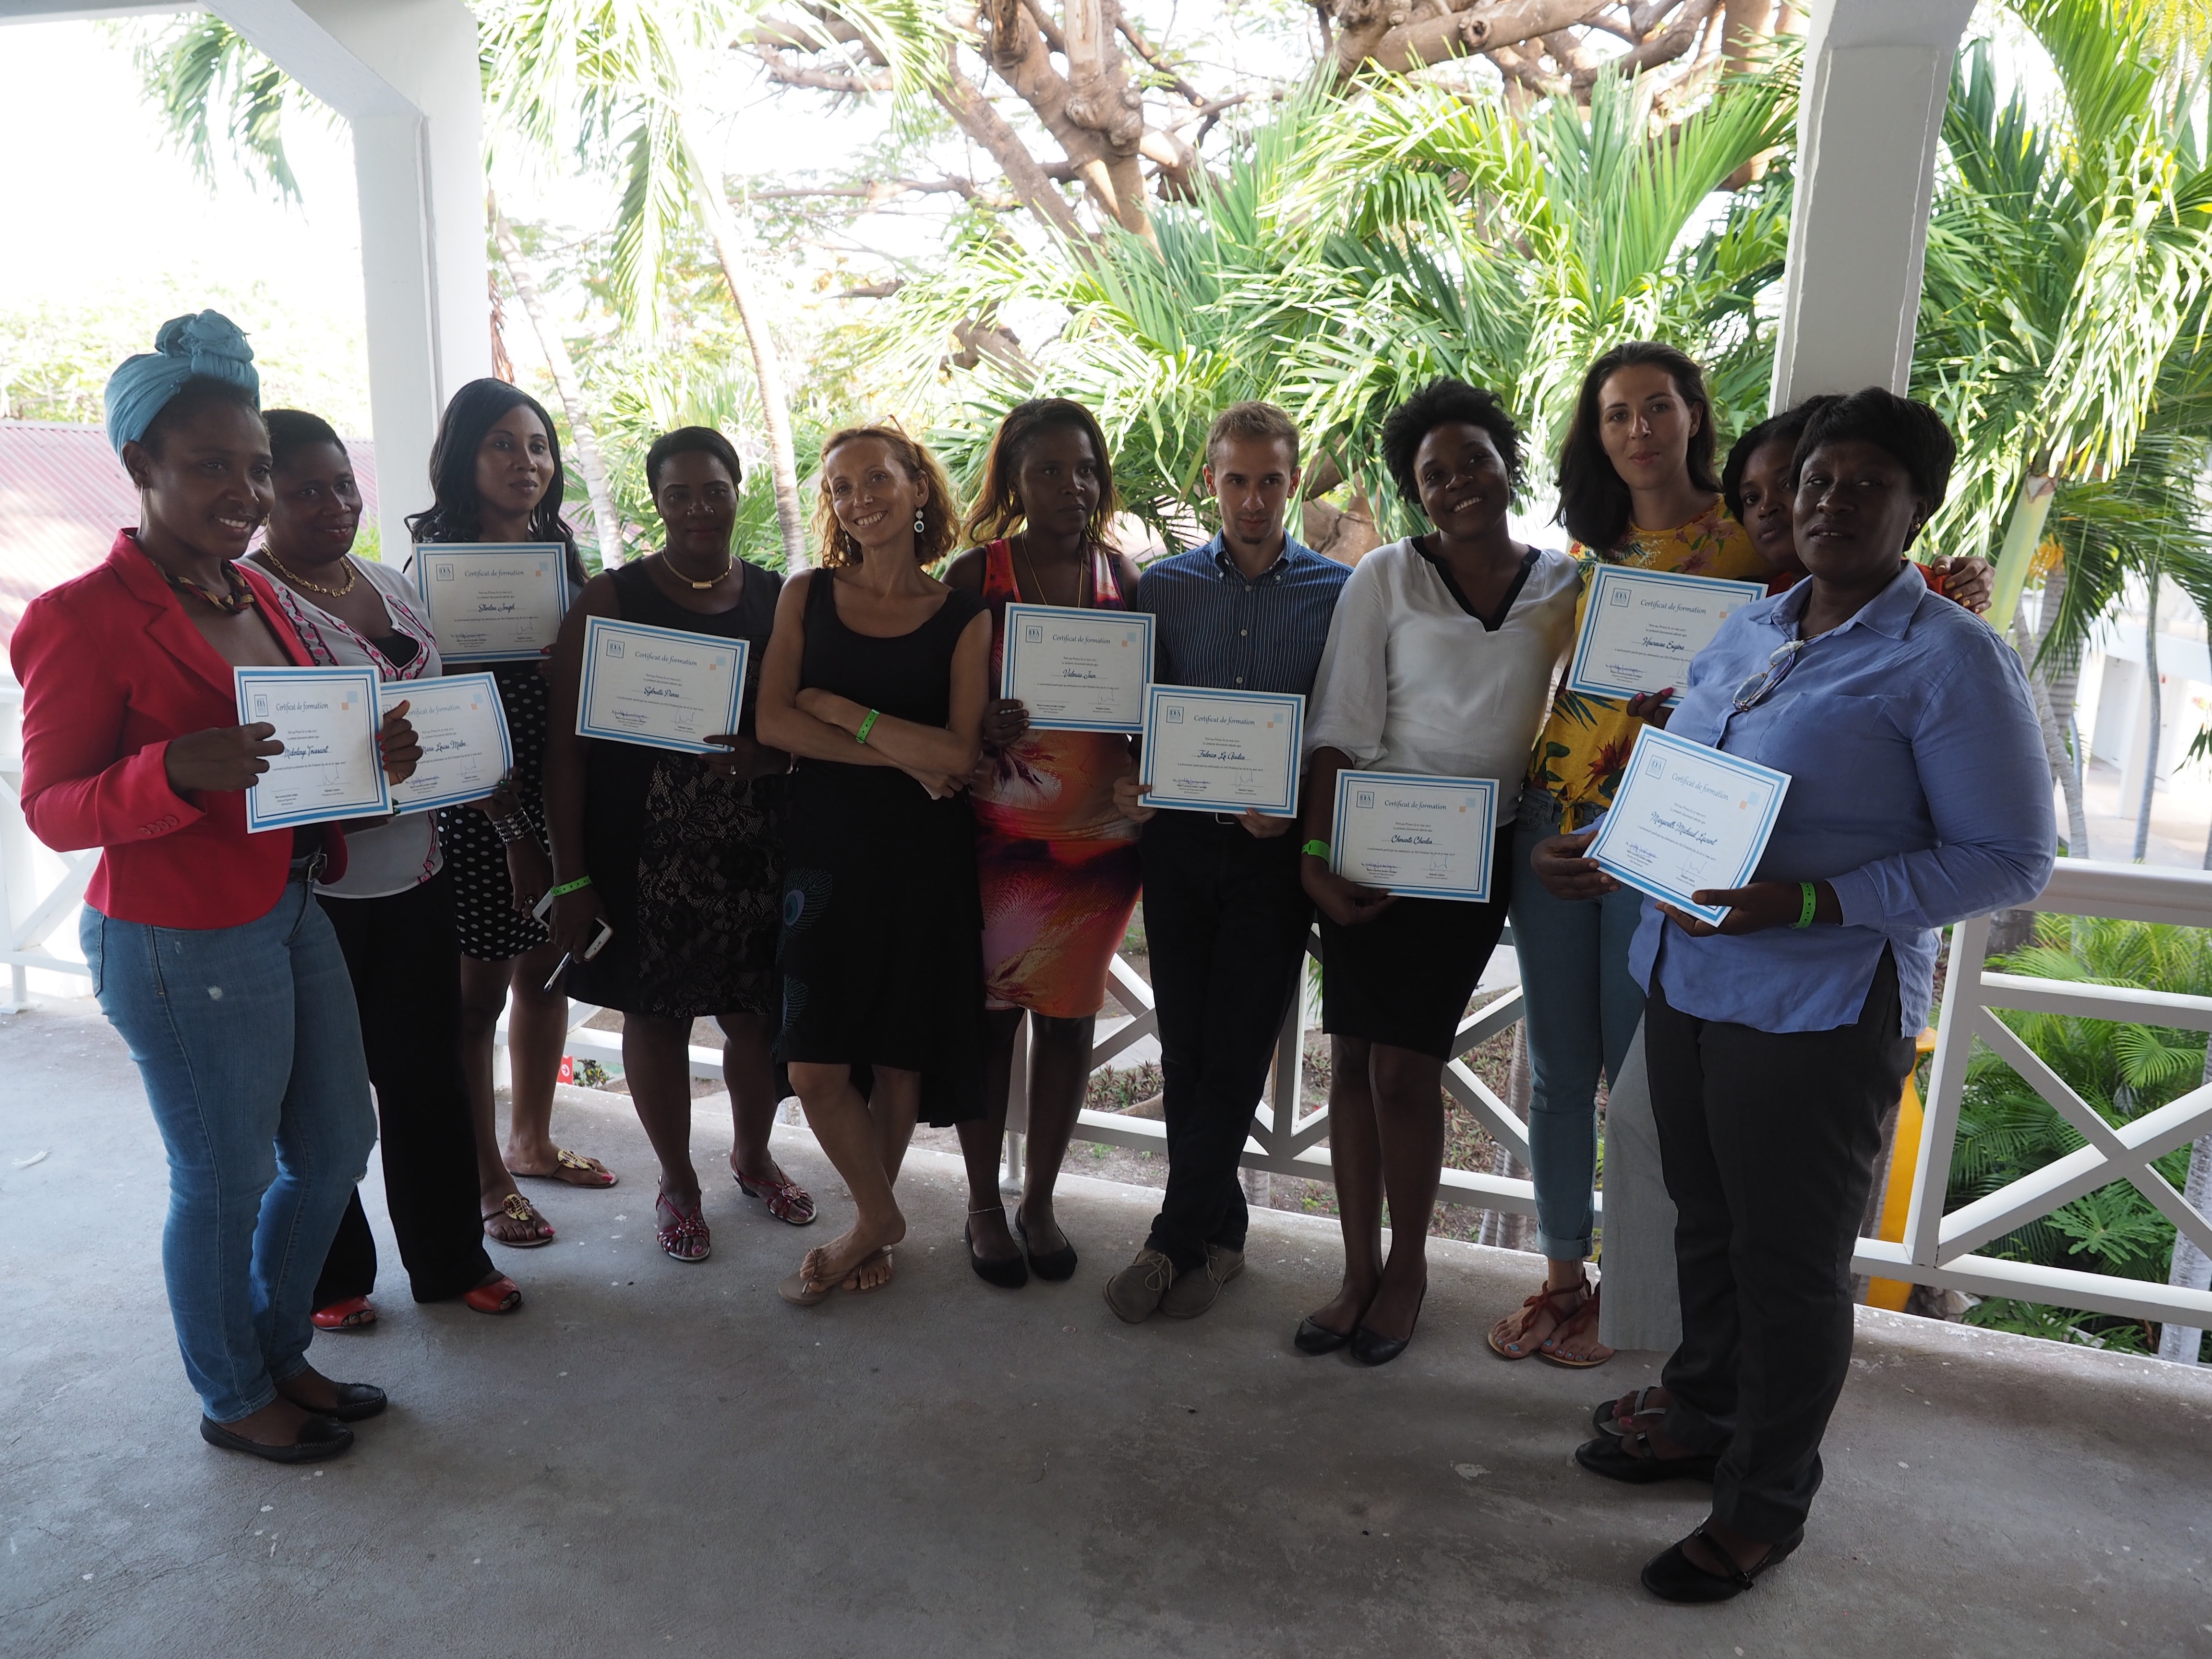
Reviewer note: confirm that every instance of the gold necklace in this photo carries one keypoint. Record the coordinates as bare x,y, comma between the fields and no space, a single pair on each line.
1021,545
298,580
729,564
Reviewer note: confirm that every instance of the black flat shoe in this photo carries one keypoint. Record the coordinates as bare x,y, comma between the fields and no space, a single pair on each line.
355,1402
319,1437
1369,1349
1314,1338
1008,1275
1673,1577
1605,1456
1057,1268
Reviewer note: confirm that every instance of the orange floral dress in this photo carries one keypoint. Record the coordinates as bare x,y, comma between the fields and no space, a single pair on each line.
1584,744
1057,862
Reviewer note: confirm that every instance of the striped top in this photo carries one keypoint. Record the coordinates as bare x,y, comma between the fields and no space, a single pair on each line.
1217,631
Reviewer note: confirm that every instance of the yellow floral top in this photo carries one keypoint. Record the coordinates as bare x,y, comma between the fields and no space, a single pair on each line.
1584,744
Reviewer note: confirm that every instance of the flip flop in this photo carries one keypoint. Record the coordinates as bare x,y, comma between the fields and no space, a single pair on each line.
588,1172
515,1207
1605,1416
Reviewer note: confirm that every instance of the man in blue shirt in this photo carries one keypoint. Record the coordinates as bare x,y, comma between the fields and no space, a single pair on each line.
1224,914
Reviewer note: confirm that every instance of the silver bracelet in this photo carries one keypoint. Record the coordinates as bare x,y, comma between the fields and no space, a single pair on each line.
513,828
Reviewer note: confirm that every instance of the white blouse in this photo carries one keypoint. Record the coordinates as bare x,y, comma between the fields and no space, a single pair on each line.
1411,682
403,854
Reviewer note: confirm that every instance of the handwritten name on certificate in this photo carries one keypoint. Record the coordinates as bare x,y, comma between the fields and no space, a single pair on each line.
1685,817
1640,628
462,726
1422,837
1078,671
493,601
331,769
1223,752
659,686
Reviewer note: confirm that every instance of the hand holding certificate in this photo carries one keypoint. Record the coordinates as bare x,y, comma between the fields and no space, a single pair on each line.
1687,819
461,724
493,601
664,687
1223,752
1640,628
330,767
1078,670
1419,837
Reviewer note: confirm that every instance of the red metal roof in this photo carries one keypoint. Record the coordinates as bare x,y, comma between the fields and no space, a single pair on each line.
64,496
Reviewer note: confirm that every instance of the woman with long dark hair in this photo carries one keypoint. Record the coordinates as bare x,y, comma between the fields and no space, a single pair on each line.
1056,858
393,908
1636,488
681,854
496,475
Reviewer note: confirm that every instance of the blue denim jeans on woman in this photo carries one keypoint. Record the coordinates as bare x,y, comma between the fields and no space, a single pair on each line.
250,1049
1582,1009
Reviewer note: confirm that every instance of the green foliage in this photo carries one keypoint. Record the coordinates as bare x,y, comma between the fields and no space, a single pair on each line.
2005,1130
200,69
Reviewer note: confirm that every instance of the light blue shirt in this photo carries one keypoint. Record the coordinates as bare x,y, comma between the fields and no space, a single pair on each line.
1219,629
1918,788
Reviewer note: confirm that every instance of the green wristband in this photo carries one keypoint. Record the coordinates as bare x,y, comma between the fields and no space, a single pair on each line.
1811,901
577,886
866,726
1318,849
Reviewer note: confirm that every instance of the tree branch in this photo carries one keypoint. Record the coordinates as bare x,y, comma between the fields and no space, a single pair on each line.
1368,34
790,73
1157,59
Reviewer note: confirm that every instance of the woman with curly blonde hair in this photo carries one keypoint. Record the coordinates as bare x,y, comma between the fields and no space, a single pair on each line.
875,683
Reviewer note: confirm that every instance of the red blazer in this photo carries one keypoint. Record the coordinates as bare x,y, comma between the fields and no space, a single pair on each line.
112,670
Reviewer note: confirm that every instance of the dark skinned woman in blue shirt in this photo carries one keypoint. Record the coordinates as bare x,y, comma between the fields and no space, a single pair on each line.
1919,795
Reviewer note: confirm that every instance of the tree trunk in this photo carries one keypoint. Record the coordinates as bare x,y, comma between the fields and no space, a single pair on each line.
606,522
2150,752
2193,1268
2023,534
775,407
2029,642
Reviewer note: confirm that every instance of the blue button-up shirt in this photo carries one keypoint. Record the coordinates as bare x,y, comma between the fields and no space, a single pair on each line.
1918,789
1218,630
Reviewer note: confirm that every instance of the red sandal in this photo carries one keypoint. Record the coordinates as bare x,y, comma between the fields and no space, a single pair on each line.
1515,1328
502,1296
353,1314
684,1237
787,1200
1581,1323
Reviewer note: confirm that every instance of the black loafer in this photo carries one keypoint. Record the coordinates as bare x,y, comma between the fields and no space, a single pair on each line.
1010,1274
1057,1268
1313,1338
1673,1577
355,1402
319,1437
1369,1349
1605,1456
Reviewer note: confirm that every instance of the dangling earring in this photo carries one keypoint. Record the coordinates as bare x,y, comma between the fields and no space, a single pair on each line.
918,526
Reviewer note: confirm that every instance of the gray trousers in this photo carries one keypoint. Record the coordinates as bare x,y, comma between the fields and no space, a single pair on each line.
1642,1307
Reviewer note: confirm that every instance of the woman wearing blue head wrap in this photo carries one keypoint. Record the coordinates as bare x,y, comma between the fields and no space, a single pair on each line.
207,951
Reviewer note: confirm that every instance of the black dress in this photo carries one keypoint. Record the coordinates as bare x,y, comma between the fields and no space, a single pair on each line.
883,926
491,929
689,864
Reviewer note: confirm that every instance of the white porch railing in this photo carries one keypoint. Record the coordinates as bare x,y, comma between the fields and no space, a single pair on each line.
40,892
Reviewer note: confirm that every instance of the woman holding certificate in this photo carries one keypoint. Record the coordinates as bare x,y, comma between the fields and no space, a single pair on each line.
876,681
1056,858
1916,793
1432,685
678,853
207,950
495,467
1637,491
393,908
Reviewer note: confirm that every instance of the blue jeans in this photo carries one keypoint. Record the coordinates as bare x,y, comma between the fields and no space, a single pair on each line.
250,1049
1582,1009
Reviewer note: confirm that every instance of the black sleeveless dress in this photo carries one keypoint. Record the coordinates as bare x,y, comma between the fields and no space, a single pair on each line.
883,928
689,864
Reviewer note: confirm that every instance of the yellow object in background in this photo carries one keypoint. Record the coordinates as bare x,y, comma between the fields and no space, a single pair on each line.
1897,1191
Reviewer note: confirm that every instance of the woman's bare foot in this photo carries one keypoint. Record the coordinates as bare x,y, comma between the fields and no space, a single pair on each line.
511,1218
553,1163
1529,1327
874,1271
840,1258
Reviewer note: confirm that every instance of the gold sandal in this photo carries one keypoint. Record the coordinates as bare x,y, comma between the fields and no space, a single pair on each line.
515,1207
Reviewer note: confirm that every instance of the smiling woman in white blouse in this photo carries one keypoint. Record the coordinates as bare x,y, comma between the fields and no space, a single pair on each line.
1438,660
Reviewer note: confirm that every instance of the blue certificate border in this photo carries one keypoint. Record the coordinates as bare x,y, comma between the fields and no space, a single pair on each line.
596,628
1486,788
1291,701
1605,577
376,806
1643,883
399,690
1142,620
425,551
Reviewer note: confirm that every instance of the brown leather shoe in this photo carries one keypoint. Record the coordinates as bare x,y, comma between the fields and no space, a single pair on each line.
1136,1291
1194,1293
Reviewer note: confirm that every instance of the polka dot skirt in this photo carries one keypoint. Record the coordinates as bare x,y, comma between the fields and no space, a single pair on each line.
491,929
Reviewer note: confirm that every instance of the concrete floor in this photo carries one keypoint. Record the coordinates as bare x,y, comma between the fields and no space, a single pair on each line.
654,1458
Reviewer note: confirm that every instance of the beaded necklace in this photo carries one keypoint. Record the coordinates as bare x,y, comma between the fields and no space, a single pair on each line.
240,599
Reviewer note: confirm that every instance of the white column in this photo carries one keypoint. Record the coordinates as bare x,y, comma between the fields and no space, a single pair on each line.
403,74
1877,75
